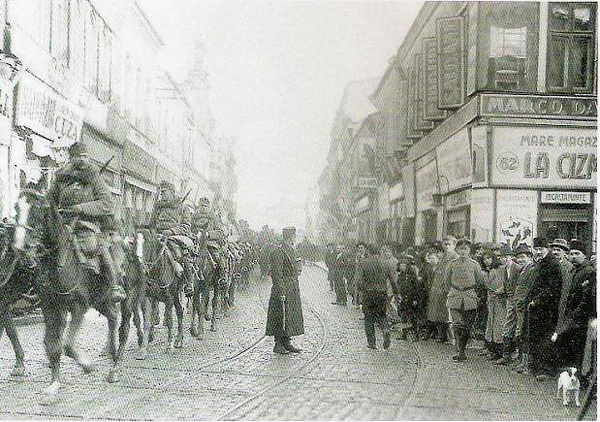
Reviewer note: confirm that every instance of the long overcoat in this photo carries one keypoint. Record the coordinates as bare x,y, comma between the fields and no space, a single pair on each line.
437,311
285,271
495,282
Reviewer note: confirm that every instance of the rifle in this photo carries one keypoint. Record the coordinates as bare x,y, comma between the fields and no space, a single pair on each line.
105,165
186,195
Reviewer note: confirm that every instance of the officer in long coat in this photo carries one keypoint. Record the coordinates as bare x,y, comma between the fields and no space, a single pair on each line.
81,195
284,314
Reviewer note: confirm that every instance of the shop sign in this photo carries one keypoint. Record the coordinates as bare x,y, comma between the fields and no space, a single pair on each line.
427,185
138,161
544,157
46,113
430,81
396,191
6,99
506,105
454,162
450,35
458,199
408,186
367,182
566,198
516,212
422,124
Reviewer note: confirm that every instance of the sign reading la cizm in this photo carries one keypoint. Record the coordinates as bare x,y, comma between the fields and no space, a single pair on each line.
493,105
566,157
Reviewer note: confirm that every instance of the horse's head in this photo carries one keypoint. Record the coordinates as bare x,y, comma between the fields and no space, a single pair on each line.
31,210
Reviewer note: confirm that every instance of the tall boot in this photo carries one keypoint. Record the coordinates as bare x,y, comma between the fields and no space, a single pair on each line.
289,346
188,288
506,352
280,346
442,331
461,343
370,332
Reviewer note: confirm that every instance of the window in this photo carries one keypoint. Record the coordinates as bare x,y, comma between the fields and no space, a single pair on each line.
571,29
59,31
104,65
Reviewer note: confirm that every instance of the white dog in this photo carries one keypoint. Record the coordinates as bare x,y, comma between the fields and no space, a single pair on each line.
569,383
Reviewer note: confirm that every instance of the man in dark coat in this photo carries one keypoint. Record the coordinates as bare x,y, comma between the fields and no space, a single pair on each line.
330,256
339,271
83,199
543,310
284,314
580,305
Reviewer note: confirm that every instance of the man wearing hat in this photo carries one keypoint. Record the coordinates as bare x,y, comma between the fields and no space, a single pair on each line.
524,258
284,314
170,218
580,305
204,220
543,310
503,324
83,198
560,249
463,276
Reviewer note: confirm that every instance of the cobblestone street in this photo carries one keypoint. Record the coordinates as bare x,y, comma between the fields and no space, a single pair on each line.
232,374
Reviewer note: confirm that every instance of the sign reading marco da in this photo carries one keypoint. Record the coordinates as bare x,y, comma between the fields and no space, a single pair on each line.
506,105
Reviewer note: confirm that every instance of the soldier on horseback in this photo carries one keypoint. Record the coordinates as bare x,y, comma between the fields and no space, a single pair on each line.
86,206
170,218
203,220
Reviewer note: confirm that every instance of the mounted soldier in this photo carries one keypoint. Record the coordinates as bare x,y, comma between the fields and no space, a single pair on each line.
170,218
205,221
86,206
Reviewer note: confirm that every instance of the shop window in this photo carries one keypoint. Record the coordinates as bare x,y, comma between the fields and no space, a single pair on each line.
571,28
508,57
92,21
60,24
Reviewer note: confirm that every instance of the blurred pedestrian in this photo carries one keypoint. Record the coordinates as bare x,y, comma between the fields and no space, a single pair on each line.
437,312
524,258
373,275
330,257
411,294
339,282
463,275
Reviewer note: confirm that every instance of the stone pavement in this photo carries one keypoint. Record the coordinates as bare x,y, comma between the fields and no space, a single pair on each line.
232,374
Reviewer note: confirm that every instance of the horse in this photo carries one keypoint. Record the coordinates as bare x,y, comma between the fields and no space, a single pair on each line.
210,277
16,282
164,286
65,286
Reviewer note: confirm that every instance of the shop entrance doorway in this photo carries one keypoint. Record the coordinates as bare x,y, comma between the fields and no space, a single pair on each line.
566,222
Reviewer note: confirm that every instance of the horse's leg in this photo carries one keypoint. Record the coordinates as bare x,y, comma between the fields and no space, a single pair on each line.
55,319
77,314
215,307
193,324
6,322
112,316
153,311
169,322
124,327
179,313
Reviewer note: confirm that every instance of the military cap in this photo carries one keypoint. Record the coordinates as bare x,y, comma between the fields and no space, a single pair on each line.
578,245
505,250
560,243
77,149
463,241
450,238
164,185
540,242
523,248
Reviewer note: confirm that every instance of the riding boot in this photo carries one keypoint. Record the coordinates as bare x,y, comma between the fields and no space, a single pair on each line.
461,343
370,332
442,332
289,346
115,290
188,288
506,352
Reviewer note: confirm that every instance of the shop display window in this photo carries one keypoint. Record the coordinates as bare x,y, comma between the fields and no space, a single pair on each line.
571,30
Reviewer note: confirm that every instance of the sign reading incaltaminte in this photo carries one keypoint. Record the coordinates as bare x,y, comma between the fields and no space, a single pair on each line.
566,197
544,157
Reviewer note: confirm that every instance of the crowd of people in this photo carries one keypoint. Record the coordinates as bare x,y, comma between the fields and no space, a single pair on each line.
531,307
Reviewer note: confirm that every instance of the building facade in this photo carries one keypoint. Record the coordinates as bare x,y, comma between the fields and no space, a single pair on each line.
491,110
89,74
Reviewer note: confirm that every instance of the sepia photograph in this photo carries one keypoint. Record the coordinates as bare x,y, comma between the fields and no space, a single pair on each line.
317,210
